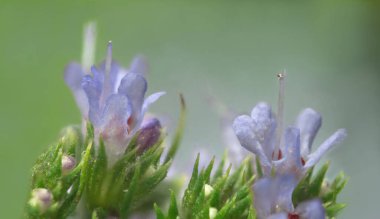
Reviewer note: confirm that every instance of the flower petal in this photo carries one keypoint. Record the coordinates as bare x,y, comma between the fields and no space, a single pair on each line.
281,215
151,99
285,185
134,87
334,139
312,209
111,79
263,194
264,125
292,163
73,78
139,65
243,128
115,116
93,91
309,121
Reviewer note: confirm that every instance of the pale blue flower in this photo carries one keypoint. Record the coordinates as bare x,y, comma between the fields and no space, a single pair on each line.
273,199
257,132
112,99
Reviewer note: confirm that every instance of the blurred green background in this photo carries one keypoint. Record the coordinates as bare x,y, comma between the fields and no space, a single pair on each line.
227,49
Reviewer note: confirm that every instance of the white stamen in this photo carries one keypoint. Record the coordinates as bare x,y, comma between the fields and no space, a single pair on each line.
89,45
280,113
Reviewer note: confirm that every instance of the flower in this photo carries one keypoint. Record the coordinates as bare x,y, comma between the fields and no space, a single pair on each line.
257,133
273,200
289,159
112,99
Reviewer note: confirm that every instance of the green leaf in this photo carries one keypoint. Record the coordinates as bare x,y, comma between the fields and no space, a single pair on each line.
159,213
334,209
129,194
173,209
179,132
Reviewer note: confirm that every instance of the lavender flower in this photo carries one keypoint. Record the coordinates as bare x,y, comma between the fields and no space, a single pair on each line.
111,98
287,154
257,132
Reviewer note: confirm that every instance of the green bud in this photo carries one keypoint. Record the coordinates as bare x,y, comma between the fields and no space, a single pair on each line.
208,190
213,212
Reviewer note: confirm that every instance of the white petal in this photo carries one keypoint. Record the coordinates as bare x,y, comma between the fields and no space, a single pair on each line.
334,139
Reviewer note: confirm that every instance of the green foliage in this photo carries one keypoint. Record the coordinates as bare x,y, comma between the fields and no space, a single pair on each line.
225,194
65,189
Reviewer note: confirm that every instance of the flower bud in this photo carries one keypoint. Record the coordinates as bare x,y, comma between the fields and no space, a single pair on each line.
149,134
212,212
41,200
68,164
208,190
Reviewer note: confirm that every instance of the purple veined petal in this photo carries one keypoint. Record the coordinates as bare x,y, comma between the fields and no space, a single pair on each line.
312,209
115,116
139,65
151,99
93,92
334,139
309,121
281,215
263,194
264,126
243,128
292,163
134,87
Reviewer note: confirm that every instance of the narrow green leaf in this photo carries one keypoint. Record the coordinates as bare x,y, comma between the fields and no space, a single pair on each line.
179,132
334,209
159,213
316,184
173,209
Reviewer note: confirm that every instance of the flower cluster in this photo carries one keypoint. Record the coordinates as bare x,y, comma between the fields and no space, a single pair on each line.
285,164
112,99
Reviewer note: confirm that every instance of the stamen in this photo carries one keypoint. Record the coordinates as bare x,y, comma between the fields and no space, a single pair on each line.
107,89
89,45
280,112
108,60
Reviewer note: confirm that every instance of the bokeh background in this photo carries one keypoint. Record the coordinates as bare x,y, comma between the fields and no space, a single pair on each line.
229,50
